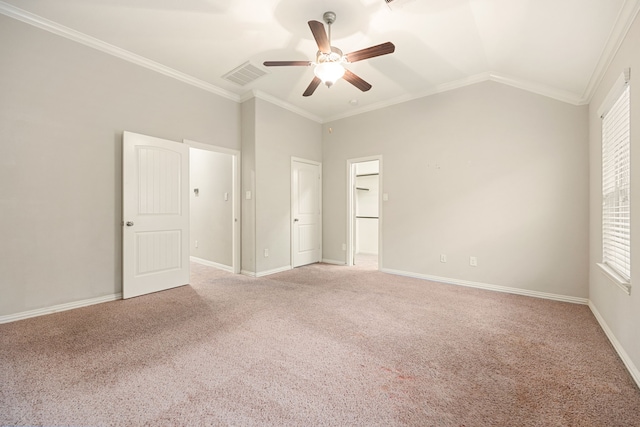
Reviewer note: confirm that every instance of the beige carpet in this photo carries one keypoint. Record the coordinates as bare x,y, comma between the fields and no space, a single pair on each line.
366,261
318,345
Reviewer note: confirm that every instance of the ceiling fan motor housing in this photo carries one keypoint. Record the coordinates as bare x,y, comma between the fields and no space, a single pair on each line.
334,56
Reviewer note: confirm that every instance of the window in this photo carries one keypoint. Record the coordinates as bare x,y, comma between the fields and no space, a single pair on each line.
616,191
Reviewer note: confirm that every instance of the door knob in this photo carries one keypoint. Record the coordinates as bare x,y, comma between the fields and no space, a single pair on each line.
129,223
295,220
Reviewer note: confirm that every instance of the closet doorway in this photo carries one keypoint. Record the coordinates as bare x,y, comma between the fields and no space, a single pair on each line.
364,236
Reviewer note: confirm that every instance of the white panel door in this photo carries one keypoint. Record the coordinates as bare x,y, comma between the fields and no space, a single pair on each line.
306,230
155,235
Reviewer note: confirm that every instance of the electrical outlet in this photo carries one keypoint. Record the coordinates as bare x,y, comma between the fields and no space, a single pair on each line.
344,246
266,253
196,243
473,261
443,258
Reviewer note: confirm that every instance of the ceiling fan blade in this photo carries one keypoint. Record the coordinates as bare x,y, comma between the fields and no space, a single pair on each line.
312,87
356,81
319,33
371,52
285,63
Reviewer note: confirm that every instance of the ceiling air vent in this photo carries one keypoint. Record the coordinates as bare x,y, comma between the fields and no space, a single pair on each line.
244,74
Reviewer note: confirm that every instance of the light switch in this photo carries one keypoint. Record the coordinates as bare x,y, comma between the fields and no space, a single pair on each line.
385,197
226,197
247,195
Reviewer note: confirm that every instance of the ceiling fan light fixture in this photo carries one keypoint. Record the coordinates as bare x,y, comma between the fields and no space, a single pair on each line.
328,67
329,72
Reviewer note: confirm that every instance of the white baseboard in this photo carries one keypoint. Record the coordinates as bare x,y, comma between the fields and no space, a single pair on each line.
333,261
633,370
60,307
265,273
274,271
211,264
486,286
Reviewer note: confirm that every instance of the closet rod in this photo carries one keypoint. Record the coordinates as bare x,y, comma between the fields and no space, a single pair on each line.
368,174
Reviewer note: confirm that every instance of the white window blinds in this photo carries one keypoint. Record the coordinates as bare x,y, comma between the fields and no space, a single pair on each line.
616,220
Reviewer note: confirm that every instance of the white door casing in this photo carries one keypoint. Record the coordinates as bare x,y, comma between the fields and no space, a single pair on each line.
155,206
351,208
306,212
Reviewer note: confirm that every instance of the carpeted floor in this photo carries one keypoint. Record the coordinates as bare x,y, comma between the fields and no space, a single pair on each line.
318,345
366,261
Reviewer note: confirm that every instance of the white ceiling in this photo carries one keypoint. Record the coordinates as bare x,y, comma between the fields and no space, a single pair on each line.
553,47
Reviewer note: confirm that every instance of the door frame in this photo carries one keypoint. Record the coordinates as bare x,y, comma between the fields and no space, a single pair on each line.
351,207
319,164
236,207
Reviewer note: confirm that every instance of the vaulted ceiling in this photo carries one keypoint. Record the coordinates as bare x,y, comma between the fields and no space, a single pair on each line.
557,48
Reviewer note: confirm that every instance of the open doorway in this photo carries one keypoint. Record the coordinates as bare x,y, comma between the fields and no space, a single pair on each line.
364,212
214,206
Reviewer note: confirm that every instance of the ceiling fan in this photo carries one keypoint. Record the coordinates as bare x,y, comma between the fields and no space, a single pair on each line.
328,67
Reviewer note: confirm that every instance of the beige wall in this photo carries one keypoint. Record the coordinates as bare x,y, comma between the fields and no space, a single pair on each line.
248,258
280,135
488,171
271,136
63,108
619,311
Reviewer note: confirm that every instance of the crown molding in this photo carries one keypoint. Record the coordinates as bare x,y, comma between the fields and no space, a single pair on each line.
410,97
538,88
63,31
528,86
625,19
60,30
255,93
